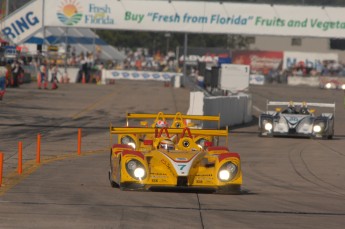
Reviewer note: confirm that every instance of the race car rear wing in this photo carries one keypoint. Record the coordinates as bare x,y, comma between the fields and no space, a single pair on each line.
177,116
279,103
167,131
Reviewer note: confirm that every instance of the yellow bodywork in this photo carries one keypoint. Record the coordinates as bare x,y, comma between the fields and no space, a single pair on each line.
187,166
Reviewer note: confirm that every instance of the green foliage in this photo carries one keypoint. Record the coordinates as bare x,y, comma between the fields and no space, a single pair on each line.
155,41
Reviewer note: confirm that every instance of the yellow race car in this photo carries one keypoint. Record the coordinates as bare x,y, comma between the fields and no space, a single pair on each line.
173,159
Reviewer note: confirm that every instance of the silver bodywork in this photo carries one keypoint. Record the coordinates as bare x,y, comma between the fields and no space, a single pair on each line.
298,124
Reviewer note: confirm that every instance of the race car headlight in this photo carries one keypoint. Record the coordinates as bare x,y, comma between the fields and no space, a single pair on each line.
127,140
227,171
135,169
343,86
268,126
317,128
224,175
328,85
139,173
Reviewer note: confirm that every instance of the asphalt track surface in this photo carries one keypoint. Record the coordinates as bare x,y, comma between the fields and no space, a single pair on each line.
288,182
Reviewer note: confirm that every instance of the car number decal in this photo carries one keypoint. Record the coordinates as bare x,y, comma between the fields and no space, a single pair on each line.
181,166
293,120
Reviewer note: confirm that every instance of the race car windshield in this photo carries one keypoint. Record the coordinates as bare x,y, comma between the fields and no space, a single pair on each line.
166,146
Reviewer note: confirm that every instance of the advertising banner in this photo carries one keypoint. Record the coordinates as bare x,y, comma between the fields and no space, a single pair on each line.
198,17
139,75
23,23
259,61
307,59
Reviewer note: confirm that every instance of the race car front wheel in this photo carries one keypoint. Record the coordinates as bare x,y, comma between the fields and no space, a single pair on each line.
112,183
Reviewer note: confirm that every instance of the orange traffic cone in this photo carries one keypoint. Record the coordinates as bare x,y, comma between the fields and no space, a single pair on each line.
83,80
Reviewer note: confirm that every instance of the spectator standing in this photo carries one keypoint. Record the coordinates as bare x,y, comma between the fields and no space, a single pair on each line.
54,80
89,66
83,69
43,76
16,71
9,74
100,68
3,73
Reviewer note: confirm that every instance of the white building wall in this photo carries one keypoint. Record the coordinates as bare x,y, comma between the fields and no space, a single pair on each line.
275,43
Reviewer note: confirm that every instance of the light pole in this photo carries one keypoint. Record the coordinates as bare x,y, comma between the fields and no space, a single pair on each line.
167,35
7,7
184,79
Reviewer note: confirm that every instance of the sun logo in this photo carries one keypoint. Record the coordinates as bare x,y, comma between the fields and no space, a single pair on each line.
69,12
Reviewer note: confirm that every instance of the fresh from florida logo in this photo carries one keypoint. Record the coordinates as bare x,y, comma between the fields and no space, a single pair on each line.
69,12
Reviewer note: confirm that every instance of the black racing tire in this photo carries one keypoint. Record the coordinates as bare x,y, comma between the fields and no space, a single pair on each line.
327,137
261,135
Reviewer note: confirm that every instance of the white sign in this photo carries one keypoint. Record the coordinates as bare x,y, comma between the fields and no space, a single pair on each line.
307,59
177,16
23,23
234,77
198,17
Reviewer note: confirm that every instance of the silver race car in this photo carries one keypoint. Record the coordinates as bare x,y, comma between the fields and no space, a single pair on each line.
297,119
